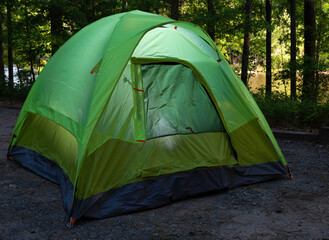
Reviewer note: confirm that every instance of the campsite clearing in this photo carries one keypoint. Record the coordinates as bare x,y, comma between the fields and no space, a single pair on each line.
161,116
31,207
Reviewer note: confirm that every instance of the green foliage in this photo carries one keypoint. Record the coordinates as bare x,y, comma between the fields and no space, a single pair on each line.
319,88
283,112
19,91
33,39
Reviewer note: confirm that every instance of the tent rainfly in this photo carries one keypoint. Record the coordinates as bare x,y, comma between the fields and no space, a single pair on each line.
137,110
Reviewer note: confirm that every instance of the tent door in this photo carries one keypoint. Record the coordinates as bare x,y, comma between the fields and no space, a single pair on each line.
174,101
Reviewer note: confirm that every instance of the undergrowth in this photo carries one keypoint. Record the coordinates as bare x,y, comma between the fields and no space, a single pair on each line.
281,111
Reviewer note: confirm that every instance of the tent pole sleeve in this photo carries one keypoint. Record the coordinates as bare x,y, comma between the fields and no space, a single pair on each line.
139,111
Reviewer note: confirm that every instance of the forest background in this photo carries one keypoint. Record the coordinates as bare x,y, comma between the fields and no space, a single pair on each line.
287,41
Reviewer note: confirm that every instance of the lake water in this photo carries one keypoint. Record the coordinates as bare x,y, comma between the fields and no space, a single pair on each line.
258,80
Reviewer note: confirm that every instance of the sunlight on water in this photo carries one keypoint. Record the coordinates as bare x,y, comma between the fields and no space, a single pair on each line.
257,80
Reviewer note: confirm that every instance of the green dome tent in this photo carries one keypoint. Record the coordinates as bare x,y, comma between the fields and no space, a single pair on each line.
137,110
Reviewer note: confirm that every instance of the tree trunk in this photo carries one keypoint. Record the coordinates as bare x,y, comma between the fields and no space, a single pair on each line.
19,75
32,70
293,77
124,5
174,13
56,25
2,63
144,5
309,51
88,8
211,24
268,49
10,45
318,50
29,44
246,43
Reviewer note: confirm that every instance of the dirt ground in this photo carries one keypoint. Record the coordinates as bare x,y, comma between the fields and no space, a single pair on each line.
31,207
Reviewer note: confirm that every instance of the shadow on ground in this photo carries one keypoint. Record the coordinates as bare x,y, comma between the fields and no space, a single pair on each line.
31,207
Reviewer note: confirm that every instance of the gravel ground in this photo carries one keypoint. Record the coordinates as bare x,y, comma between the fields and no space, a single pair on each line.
31,207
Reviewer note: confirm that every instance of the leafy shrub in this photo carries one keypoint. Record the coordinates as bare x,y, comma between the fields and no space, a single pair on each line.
282,111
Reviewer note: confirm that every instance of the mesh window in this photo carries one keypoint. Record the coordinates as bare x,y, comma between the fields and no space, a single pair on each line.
176,102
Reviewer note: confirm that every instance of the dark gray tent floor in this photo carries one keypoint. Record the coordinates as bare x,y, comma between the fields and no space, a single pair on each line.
31,207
